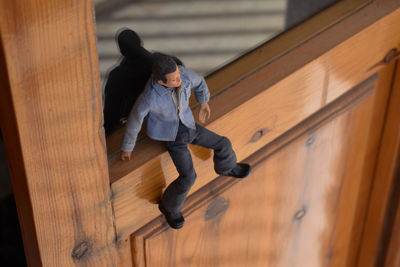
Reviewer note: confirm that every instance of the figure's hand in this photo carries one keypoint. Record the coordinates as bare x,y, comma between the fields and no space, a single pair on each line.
205,112
125,155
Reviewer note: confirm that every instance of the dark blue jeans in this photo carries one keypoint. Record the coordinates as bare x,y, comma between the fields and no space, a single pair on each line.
224,160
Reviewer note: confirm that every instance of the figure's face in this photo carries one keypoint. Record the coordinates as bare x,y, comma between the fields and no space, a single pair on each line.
173,79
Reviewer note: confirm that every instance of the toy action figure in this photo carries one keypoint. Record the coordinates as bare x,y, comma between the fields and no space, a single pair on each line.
127,80
165,103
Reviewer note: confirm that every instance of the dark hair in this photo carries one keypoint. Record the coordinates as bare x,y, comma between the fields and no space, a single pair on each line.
163,65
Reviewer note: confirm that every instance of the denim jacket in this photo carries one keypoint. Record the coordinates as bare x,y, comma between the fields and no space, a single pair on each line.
157,105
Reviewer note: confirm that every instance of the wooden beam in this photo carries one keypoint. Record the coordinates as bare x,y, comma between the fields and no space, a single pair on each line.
51,119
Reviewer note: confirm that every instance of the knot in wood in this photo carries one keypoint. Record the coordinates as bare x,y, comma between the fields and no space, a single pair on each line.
257,136
218,207
300,214
310,141
390,55
80,250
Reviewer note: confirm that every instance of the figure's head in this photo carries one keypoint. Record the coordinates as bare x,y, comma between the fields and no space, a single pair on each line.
166,72
131,45
128,40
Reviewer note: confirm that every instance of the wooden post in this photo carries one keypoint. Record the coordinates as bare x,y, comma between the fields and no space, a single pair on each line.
51,119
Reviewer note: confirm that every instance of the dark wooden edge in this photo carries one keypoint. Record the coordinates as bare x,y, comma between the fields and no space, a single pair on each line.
277,69
389,254
17,169
390,241
383,201
221,184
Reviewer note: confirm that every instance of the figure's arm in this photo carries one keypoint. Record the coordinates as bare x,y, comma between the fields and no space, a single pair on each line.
199,87
133,126
205,112
202,94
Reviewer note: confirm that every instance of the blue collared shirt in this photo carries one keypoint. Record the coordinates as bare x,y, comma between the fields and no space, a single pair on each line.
157,105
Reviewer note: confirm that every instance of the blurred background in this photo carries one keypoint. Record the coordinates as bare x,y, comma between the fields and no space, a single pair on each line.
204,34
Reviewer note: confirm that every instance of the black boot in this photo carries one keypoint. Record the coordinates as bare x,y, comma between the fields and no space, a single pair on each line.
175,220
241,170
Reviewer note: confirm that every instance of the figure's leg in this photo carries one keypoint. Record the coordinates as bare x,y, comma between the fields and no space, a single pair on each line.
224,156
175,194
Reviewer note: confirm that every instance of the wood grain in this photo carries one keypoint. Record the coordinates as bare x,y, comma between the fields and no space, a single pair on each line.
386,174
51,119
21,192
124,250
374,135
296,208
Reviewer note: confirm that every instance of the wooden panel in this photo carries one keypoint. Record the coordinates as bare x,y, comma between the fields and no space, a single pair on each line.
378,118
272,112
385,189
297,208
51,120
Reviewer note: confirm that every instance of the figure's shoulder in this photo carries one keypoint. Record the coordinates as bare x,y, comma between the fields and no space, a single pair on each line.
148,86
188,74
150,90
183,71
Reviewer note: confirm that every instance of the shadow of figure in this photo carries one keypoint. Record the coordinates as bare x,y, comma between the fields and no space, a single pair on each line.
201,152
152,181
127,80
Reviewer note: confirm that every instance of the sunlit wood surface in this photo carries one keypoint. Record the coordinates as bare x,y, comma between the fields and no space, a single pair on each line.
296,208
272,112
301,205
